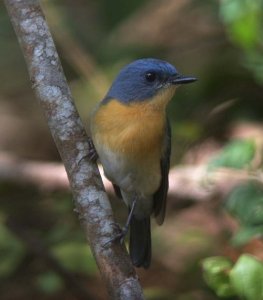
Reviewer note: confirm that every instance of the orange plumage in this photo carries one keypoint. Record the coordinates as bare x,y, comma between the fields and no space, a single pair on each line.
136,130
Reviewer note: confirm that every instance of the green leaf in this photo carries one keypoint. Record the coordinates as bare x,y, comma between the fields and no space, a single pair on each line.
245,234
247,278
237,154
246,203
215,272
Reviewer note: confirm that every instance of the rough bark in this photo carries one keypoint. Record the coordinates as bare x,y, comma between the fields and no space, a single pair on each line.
91,201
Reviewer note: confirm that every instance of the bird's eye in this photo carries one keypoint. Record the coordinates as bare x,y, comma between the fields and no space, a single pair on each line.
150,76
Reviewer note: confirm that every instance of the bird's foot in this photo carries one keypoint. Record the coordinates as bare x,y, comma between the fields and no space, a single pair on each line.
122,232
92,154
120,236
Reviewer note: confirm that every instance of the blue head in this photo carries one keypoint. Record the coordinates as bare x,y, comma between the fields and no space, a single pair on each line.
143,79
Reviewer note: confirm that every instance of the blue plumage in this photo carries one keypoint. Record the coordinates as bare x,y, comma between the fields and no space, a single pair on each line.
131,83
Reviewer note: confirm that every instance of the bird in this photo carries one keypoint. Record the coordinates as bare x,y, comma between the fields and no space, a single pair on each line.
131,136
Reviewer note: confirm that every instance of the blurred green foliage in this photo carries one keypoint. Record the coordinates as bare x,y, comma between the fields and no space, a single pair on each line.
113,16
246,203
215,272
247,233
244,278
157,294
237,154
12,251
72,255
243,21
49,282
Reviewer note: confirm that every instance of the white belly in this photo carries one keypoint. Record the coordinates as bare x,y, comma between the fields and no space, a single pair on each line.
144,179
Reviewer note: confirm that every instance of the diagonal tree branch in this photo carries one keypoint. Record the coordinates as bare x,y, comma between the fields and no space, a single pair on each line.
54,96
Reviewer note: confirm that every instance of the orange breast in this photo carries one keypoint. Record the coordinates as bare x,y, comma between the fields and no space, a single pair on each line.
136,130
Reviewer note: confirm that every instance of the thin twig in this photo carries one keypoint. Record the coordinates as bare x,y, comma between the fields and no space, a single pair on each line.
68,132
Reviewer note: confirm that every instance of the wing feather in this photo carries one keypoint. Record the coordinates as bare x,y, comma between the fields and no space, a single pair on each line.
159,198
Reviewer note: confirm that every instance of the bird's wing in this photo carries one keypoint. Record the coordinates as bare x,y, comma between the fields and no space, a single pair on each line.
159,198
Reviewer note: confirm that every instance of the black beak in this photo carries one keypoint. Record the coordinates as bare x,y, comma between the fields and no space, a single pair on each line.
181,79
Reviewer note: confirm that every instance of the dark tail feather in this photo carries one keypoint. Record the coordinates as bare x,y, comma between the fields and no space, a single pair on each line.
140,242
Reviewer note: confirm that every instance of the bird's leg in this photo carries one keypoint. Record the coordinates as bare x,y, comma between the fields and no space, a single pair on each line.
123,231
92,154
